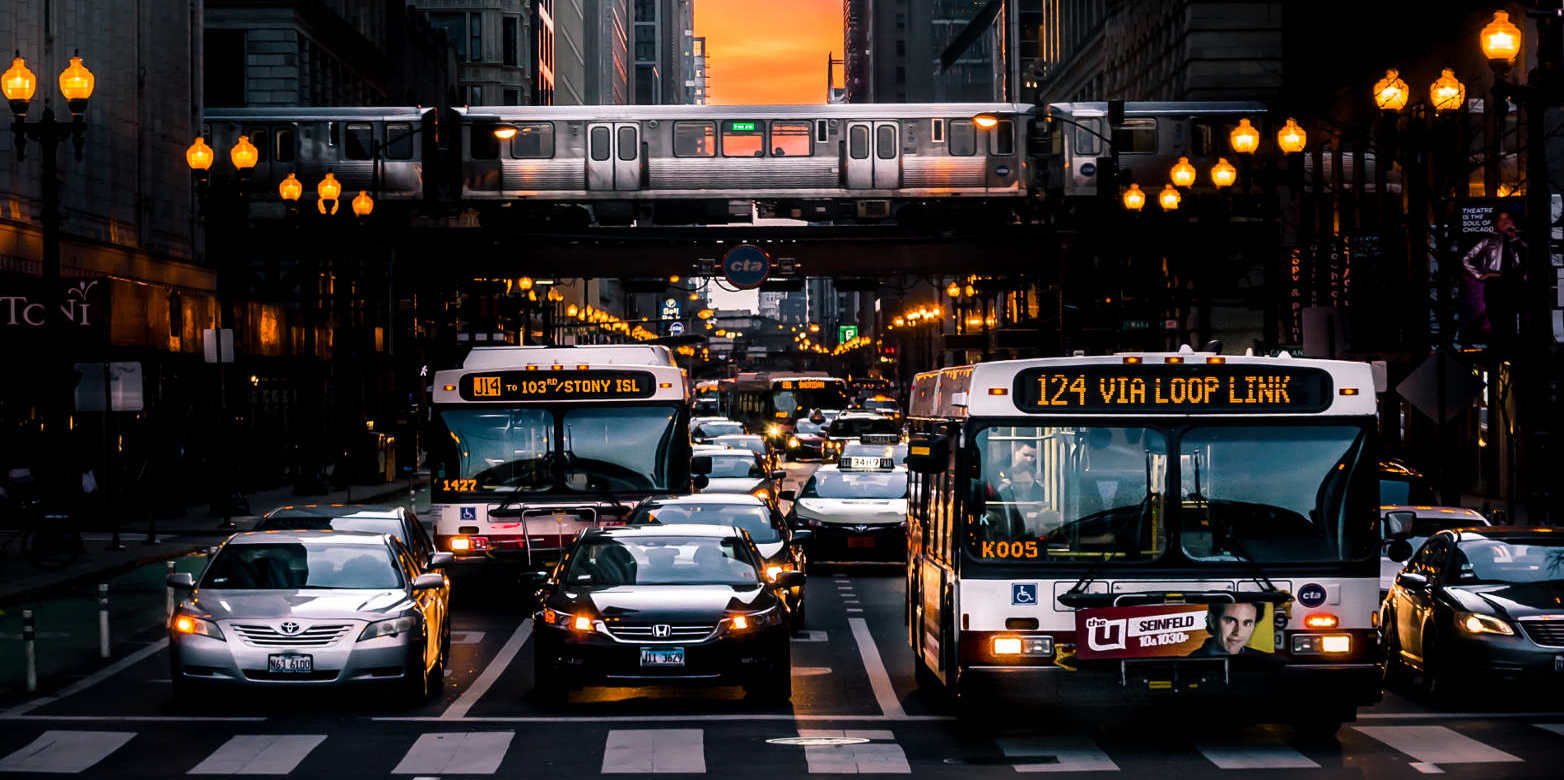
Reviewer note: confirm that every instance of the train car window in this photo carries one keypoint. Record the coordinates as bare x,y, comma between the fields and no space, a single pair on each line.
284,140
1087,140
858,142
599,143
399,141
484,145
358,143
743,138
790,139
1203,137
938,134
629,148
1136,136
1004,138
821,132
532,141
332,131
885,142
963,138
694,139
261,139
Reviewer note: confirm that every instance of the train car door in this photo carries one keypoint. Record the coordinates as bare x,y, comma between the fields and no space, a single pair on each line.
887,155
860,156
614,156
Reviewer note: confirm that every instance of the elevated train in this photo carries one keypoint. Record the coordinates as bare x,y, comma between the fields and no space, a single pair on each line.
614,165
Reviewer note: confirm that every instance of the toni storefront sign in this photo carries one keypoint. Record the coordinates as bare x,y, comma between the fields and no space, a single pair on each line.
24,309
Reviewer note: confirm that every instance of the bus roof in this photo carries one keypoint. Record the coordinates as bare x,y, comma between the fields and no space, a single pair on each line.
594,354
1141,384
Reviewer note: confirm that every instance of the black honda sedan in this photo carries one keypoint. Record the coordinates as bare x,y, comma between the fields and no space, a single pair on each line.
663,604
1479,603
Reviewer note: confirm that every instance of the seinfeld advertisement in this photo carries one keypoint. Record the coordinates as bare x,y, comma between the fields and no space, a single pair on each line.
1174,631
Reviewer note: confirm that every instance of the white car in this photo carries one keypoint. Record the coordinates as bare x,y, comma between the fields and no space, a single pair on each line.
856,514
1426,521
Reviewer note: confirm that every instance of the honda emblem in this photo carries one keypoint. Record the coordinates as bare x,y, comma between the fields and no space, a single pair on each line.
661,630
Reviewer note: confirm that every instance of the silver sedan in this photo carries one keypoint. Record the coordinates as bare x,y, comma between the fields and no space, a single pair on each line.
312,608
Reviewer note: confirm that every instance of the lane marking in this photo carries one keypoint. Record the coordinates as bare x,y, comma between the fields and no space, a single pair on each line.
811,671
1456,715
92,679
259,754
1427,769
65,751
811,636
491,673
1433,745
867,758
1556,728
140,718
854,611
658,718
462,753
467,637
879,681
1264,755
1070,754
654,751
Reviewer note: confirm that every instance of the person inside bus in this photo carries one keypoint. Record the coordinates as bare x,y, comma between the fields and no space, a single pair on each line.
1230,625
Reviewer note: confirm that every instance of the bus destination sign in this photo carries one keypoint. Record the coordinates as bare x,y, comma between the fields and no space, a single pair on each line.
557,385
1173,389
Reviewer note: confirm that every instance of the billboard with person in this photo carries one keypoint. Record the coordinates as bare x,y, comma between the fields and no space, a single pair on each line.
1175,631
1490,240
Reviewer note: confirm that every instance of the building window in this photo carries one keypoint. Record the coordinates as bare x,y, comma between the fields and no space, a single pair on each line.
646,42
509,36
225,68
646,10
455,27
901,75
475,95
533,140
790,139
512,97
901,48
475,28
743,138
694,139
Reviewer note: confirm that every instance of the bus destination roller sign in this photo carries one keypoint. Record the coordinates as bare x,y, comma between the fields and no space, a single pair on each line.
1174,389
557,385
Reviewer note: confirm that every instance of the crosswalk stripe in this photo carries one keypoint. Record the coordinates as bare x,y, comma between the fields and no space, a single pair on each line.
1556,728
65,752
654,751
871,758
1436,744
259,754
1255,756
1070,754
456,753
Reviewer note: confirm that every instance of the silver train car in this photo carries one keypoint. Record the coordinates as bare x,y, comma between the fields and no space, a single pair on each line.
383,151
1152,138
692,164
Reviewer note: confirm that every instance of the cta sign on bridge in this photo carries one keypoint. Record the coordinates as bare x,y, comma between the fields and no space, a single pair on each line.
746,266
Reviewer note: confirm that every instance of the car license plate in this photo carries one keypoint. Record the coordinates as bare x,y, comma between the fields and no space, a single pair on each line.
859,541
662,656
290,664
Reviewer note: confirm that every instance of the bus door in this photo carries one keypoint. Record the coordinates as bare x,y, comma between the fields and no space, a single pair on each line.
614,156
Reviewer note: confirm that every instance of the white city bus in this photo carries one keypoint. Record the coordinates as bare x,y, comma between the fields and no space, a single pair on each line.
532,444
1134,527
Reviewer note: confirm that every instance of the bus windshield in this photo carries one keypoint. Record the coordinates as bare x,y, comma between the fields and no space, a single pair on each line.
791,402
576,449
1256,494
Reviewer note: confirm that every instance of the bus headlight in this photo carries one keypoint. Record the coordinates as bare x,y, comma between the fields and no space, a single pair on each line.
1317,644
467,544
1027,645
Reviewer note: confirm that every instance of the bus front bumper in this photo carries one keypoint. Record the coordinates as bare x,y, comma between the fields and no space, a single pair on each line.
1278,691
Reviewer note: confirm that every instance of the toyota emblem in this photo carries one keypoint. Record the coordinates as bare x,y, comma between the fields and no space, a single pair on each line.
661,630
289,627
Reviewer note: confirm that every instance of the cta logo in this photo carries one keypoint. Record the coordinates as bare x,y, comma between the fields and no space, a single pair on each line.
1311,594
1103,634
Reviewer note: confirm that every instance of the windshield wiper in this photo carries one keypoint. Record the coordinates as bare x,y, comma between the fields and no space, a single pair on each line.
1232,546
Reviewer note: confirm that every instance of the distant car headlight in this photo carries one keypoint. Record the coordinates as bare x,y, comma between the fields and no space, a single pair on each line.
390,627
190,624
762,494
792,442
1474,623
773,430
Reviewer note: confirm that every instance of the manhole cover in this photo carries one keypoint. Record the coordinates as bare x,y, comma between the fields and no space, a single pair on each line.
816,741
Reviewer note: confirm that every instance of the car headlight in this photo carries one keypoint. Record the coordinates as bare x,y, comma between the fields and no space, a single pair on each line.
753,620
390,627
561,619
792,442
772,570
773,430
1474,623
190,624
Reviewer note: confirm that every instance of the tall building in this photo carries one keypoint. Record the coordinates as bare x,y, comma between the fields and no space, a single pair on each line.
663,47
495,54
543,59
698,71
605,46
893,51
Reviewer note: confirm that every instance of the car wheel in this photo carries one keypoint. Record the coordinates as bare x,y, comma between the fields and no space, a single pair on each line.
1439,683
548,683
1396,671
415,687
186,693
800,617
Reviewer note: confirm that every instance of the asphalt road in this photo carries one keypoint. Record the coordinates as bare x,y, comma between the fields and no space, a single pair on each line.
853,679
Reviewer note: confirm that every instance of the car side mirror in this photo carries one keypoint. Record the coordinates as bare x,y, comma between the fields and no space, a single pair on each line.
1411,580
779,474
801,536
430,581
700,464
790,579
181,580
1399,550
787,495
1398,524
535,579
441,560
700,481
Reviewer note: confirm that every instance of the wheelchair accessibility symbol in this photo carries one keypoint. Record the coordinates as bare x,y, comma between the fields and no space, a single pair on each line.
469,513
1023,593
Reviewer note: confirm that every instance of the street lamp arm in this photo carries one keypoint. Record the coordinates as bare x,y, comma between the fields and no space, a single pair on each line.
1073,123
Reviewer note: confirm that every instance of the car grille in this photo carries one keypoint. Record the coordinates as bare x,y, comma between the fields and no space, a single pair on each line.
676,633
318,675
310,636
1545,632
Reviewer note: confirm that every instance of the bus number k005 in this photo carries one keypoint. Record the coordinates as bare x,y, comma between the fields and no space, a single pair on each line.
993,549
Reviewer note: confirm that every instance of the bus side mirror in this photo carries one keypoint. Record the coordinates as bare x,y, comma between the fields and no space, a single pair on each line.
928,454
1399,550
1398,524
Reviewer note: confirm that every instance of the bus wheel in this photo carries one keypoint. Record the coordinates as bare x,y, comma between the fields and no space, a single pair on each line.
926,680
1320,726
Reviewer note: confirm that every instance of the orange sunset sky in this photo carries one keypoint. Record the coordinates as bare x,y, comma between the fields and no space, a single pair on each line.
769,52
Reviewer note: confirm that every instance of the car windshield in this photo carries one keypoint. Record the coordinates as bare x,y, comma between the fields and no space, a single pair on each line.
1498,561
896,452
751,443
712,429
302,566
1069,493
1424,527
754,519
805,426
856,484
654,560
853,427
735,466
599,448
882,406
376,525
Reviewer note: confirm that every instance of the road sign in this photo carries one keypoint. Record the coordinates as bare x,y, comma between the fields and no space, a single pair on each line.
746,266
676,328
1421,388
846,333
125,387
209,343
671,309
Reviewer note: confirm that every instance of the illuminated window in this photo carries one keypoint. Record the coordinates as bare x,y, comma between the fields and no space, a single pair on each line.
743,138
694,139
790,139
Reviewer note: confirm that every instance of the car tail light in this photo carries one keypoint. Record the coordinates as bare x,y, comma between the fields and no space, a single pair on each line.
463,544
